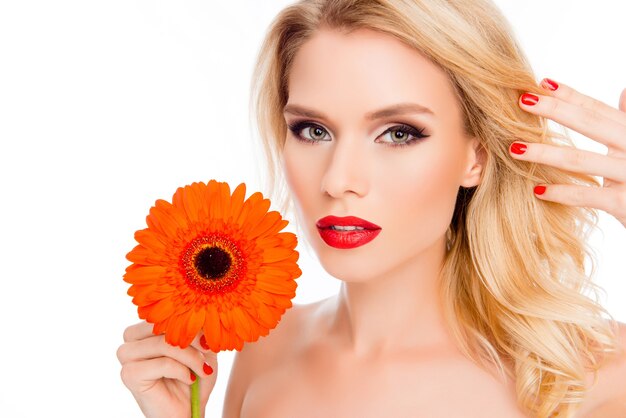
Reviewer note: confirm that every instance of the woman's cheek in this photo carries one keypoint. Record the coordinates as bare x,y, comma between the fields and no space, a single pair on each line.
424,194
291,161
301,175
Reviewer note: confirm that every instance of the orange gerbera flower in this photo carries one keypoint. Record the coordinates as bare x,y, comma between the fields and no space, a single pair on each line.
213,262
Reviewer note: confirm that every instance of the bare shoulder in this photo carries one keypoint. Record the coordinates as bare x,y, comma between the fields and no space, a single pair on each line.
294,325
607,398
255,358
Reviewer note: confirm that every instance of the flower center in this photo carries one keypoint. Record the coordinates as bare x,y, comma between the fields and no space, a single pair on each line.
212,263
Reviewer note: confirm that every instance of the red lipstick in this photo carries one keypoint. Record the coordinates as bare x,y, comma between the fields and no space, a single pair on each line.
365,231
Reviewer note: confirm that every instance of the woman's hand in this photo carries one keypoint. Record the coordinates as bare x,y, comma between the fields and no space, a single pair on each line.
595,120
159,374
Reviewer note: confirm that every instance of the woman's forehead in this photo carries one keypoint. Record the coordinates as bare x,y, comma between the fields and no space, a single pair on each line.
364,76
365,69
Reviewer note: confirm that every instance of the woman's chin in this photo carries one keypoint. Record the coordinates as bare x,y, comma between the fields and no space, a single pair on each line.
346,271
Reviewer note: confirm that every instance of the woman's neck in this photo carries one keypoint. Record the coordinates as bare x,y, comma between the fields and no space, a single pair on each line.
398,311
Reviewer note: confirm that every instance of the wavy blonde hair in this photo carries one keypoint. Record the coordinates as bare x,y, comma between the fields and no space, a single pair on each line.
513,280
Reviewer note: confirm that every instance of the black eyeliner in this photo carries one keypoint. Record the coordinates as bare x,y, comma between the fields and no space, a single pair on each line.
418,134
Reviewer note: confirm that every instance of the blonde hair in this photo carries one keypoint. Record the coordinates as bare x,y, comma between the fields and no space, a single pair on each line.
513,280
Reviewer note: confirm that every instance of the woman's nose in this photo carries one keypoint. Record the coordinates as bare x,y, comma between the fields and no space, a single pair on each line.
347,169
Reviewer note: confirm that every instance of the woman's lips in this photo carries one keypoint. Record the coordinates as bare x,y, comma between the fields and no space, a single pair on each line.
346,239
328,221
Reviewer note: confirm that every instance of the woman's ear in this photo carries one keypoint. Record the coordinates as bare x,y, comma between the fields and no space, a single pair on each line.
476,159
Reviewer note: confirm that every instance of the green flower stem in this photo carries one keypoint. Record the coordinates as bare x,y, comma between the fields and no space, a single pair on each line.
195,397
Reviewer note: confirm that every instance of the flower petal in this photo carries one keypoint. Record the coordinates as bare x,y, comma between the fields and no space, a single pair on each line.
212,328
144,274
176,333
212,199
195,322
271,255
285,288
248,206
266,316
242,323
160,221
160,327
258,211
237,200
267,223
150,240
227,322
289,239
224,199
160,310
149,294
145,256
186,199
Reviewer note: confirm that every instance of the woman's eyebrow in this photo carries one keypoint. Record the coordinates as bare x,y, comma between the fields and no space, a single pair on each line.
393,110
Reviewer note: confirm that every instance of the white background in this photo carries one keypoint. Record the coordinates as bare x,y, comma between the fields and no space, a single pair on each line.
107,106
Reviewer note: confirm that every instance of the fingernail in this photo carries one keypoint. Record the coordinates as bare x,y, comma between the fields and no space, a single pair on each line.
207,369
518,148
193,376
549,84
203,343
540,189
530,99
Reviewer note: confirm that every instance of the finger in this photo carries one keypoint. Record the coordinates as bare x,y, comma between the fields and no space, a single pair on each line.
210,357
138,375
612,201
570,95
155,347
138,331
590,123
622,101
209,376
199,343
571,159
144,329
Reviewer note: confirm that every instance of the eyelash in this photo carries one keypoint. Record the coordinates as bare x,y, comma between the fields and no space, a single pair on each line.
297,127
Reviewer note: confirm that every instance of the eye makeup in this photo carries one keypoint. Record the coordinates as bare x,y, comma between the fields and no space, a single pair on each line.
298,126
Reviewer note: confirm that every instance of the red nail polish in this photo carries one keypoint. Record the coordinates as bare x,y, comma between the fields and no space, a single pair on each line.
517,148
193,376
203,343
549,84
540,189
207,369
530,99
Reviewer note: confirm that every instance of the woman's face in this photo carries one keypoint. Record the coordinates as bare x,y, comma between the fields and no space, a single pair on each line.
348,163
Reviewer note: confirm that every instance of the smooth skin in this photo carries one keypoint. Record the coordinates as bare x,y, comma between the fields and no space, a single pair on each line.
159,374
595,120
353,169
345,169
356,354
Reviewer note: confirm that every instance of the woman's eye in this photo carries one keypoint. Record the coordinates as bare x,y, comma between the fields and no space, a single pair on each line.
399,135
315,132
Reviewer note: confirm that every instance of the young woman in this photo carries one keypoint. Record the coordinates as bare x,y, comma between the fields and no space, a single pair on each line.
464,296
